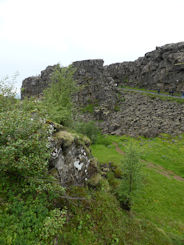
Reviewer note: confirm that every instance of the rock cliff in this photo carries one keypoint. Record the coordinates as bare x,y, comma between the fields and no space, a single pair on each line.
161,69
96,86
34,86
120,112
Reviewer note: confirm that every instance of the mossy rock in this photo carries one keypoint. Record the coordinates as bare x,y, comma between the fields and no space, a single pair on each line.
57,126
95,180
86,140
66,137
82,140
118,173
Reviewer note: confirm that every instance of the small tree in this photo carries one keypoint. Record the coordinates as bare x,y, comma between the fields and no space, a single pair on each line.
132,177
58,97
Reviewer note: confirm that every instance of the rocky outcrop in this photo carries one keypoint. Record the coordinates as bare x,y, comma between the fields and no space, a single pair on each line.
34,86
161,69
96,86
119,112
71,160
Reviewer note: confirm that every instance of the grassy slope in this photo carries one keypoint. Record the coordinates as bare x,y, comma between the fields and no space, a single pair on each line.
157,217
161,201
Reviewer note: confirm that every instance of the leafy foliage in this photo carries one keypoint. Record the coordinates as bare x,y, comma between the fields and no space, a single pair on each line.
58,97
27,191
7,94
89,129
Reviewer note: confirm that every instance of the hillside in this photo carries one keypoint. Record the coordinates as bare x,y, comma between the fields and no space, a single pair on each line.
88,157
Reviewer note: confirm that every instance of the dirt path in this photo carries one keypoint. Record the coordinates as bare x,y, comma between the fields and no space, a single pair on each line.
118,149
168,173
159,169
150,92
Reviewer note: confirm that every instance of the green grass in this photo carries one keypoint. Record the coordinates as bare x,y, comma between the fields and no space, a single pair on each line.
165,150
106,154
161,201
100,220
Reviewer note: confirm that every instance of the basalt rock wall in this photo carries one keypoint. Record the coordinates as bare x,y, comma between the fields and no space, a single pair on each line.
120,112
34,86
161,69
95,85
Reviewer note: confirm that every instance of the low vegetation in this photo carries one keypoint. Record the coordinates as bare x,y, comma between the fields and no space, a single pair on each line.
161,199
136,199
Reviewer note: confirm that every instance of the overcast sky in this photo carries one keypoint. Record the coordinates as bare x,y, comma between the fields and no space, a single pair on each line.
38,33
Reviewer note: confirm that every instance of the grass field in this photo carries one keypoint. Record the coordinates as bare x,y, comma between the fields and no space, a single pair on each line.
161,201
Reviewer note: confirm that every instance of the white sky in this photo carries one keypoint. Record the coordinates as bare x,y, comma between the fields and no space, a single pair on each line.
38,33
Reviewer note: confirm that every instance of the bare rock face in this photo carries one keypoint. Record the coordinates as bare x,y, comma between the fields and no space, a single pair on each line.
96,86
34,86
72,159
162,68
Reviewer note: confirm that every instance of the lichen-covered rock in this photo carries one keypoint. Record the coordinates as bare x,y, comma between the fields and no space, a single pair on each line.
72,159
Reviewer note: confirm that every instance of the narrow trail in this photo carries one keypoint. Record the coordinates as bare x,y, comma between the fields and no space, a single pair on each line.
159,169
168,173
118,149
149,92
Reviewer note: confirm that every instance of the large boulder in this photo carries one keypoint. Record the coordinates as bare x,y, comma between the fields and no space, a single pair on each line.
71,158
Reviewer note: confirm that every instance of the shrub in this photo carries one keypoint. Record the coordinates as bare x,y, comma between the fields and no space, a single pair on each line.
23,147
89,129
7,95
27,191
